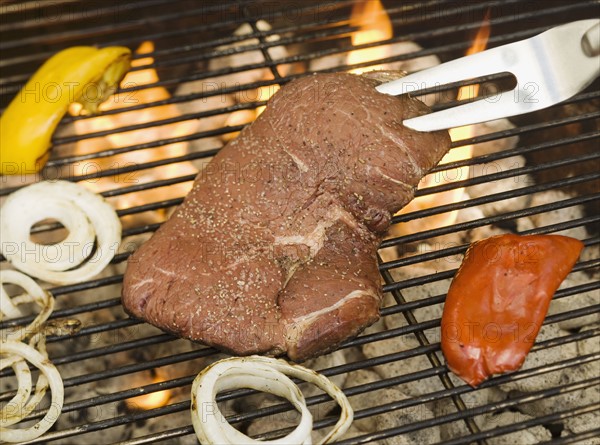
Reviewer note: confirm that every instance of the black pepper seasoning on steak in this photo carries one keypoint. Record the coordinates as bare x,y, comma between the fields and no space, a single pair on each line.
273,250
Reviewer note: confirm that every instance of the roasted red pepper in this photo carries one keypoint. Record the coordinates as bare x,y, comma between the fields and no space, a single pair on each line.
498,300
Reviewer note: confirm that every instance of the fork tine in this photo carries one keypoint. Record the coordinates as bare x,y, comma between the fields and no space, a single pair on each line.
550,68
472,113
468,67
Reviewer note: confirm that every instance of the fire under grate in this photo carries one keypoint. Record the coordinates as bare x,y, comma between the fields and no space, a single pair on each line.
196,84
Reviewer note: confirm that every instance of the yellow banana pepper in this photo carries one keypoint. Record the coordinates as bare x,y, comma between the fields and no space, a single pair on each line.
83,74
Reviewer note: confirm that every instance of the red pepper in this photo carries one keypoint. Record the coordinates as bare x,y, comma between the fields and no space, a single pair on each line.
498,300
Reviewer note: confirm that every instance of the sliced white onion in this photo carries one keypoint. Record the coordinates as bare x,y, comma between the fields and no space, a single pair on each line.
11,414
21,405
7,308
33,293
262,374
12,410
89,219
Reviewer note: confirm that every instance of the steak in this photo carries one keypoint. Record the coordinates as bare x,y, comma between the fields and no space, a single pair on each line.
273,251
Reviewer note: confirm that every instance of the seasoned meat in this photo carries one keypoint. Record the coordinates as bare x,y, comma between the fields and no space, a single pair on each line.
273,251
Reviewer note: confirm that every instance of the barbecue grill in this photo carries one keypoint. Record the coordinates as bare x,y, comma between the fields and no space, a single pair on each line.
112,359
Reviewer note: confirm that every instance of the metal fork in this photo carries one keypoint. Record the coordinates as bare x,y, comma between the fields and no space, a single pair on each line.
550,68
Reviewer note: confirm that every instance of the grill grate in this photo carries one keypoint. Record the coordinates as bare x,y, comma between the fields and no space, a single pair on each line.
113,358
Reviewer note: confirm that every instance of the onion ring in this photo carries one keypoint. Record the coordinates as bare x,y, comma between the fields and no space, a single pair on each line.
49,377
21,397
90,220
34,293
21,401
7,308
262,374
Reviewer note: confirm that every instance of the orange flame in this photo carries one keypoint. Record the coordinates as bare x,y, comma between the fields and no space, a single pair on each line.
456,154
374,26
479,44
464,93
151,400
109,123
242,117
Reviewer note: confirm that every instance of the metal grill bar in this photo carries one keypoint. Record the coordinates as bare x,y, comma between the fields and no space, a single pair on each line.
28,5
529,423
413,36
73,16
397,219
402,404
104,29
78,34
471,141
437,189
422,280
432,357
527,190
490,220
413,402
385,266
252,105
499,175
440,26
436,232
404,307
575,438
